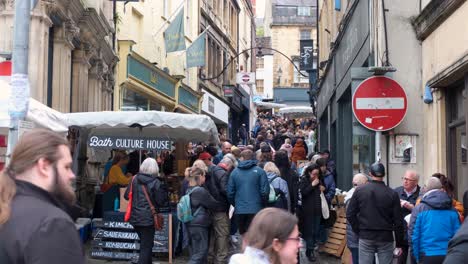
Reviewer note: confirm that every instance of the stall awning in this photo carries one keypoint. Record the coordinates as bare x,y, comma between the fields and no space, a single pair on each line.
41,115
150,124
297,111
268,105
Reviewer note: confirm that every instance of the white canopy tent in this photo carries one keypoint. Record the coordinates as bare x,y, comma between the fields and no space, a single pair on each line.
297,111
38,113
149,124
269,105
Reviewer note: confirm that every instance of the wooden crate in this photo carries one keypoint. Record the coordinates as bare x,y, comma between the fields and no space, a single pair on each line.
336,242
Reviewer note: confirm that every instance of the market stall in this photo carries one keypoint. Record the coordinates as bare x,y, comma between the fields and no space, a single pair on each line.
148,131
38,116
297,112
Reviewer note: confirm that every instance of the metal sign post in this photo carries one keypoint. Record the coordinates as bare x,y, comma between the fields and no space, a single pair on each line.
19,97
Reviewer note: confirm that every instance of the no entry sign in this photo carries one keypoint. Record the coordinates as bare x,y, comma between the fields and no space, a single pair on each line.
379,103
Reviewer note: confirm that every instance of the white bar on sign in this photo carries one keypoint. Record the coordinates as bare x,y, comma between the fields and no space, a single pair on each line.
380,103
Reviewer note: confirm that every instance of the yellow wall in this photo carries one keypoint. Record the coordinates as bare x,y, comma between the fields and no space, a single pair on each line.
144,23
440,49
287,40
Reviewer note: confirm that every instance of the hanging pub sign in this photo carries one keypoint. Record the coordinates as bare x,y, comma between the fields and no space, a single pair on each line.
113,142
307,55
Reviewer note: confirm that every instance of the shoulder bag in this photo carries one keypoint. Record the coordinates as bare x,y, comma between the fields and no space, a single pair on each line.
157,217
128,212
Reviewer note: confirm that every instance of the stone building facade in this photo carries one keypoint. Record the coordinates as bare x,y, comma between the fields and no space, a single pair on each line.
442,28
71,59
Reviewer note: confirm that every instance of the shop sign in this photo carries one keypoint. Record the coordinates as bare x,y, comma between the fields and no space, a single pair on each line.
149,76
188,99
228,90
215,107
307,55
113,142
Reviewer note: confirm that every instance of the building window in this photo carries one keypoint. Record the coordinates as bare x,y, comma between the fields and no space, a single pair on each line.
305,34
298,78
304,11
260,63
133,101
260,86
286,10
457,113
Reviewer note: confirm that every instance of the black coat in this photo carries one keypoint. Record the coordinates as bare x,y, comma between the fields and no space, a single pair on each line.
311,204
38,230
201,200
374,212
141,211
458,246
217,186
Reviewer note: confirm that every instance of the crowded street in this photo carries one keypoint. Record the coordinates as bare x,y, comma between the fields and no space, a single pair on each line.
233,131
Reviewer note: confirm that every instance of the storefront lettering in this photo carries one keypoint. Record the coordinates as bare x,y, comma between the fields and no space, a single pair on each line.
128,143
97,142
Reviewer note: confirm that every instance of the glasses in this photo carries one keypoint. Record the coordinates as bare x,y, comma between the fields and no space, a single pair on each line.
297,239
407,179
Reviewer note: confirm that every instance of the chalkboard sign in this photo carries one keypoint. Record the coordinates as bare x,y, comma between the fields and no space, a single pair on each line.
113,255
114,239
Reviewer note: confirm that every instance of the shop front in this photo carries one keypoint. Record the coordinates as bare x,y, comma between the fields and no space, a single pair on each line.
353,152
188,100
143,86
215,108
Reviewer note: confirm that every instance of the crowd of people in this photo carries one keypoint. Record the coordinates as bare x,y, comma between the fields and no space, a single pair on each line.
274,199
278,168
408,224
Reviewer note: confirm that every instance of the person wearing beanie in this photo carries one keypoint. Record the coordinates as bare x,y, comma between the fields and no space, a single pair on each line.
374,213
433,223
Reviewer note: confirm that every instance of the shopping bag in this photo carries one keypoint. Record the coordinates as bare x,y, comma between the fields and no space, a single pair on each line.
325,210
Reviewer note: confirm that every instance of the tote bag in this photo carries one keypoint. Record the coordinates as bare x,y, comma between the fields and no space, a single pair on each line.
325,210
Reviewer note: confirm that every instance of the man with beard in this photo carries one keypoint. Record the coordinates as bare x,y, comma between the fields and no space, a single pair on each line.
34,189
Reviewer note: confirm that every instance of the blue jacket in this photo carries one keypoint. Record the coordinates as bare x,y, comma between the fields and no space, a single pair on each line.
330,186
433,223
248,188
218,158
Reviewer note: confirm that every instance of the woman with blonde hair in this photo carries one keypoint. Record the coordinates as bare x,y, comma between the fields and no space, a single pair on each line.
279,185
273,238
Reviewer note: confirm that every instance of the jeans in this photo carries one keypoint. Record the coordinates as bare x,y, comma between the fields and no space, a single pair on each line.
219,242
198,244
146,235
323,234
355,255
243,222
312,235
367,249
233,229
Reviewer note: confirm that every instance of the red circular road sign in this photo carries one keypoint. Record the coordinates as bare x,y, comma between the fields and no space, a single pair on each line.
379,103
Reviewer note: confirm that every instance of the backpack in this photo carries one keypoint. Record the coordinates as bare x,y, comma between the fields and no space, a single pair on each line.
184,210
277,198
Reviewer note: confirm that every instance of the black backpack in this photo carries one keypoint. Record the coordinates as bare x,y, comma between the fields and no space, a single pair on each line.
281,201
